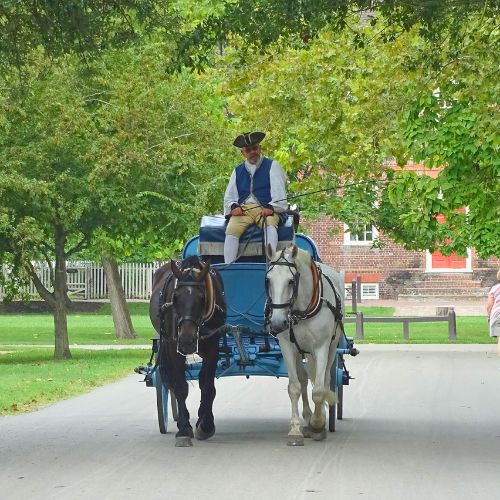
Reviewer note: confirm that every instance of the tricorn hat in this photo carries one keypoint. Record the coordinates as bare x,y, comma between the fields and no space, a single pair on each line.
248,139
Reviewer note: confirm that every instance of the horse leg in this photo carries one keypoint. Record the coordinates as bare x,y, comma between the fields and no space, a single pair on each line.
321,393
331,395
205,427
180,386
303,378
294,392
311,370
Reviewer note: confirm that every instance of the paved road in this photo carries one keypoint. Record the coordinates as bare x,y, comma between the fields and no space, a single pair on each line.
420,423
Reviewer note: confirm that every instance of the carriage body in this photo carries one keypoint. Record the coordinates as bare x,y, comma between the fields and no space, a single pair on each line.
247,349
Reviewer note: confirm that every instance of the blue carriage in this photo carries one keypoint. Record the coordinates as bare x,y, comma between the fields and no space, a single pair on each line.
245,346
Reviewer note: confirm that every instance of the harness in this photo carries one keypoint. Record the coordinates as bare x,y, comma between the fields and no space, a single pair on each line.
317,299
208,294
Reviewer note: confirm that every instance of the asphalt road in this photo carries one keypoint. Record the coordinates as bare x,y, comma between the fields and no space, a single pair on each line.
419,423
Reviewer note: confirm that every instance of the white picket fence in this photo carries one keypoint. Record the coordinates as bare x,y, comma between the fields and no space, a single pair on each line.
86,280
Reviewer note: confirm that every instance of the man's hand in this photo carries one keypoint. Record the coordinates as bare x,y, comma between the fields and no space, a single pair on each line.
266,212
237,211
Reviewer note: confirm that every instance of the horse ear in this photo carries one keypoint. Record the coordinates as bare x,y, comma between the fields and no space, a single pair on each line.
175,269
295,251
269,251
205,267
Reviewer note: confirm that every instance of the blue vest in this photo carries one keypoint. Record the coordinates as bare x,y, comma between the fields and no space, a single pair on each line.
259,186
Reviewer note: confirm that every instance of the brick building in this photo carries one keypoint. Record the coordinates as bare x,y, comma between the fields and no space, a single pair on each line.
391,272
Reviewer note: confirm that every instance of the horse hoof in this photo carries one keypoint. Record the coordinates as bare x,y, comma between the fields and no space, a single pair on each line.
201,434
306,431
319,436
183,442
295,441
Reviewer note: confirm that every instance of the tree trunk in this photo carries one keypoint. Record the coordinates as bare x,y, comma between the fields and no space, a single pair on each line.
61,349
121,315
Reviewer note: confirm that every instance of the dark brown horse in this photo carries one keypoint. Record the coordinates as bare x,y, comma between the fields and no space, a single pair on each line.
187,309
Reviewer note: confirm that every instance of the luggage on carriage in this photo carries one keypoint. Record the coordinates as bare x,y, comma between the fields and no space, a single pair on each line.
246,346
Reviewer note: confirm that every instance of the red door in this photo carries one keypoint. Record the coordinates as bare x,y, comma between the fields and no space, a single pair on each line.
440,261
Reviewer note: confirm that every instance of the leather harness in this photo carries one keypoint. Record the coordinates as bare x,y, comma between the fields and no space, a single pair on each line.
316,302
189,280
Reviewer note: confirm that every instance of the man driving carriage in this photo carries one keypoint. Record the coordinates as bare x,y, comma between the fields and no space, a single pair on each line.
255,194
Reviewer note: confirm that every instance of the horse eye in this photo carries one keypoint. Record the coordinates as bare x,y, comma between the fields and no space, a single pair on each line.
291,282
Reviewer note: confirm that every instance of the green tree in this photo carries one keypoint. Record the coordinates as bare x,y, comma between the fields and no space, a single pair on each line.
90,154
83,27
331,111
261,23
337,111
454,124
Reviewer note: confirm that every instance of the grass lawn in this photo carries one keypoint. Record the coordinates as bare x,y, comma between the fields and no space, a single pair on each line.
97,328
83,328
30,378
470,330
373,311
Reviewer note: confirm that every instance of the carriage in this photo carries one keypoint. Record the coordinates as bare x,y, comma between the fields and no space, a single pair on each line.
246,347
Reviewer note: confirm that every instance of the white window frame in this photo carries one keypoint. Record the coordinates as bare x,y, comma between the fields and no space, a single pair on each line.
348,241
364,294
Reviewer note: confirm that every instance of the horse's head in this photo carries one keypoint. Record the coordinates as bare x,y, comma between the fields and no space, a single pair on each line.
282,284
189,304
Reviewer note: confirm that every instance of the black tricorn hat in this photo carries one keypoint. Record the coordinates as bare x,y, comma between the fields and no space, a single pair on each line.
248,139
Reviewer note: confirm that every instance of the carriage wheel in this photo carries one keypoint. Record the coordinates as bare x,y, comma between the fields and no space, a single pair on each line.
333,386
162,403
340,404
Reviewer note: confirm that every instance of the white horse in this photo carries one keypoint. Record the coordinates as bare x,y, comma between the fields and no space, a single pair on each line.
304,308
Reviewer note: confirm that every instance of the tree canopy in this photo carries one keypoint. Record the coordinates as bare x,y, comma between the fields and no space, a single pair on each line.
340,114
102,149
261,23
97,156
84,27
341,86
453,124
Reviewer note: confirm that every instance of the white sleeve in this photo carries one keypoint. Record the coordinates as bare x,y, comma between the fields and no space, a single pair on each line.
231,194
278,181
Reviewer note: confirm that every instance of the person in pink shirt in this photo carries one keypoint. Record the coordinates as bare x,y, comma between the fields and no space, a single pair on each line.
493,310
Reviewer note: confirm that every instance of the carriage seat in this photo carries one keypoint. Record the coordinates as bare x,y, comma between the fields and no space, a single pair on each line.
213,232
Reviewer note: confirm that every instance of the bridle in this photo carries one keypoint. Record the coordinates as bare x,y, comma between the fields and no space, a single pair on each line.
292,267
295,315
188,281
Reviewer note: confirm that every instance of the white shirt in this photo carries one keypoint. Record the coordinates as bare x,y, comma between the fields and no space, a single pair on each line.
277,178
